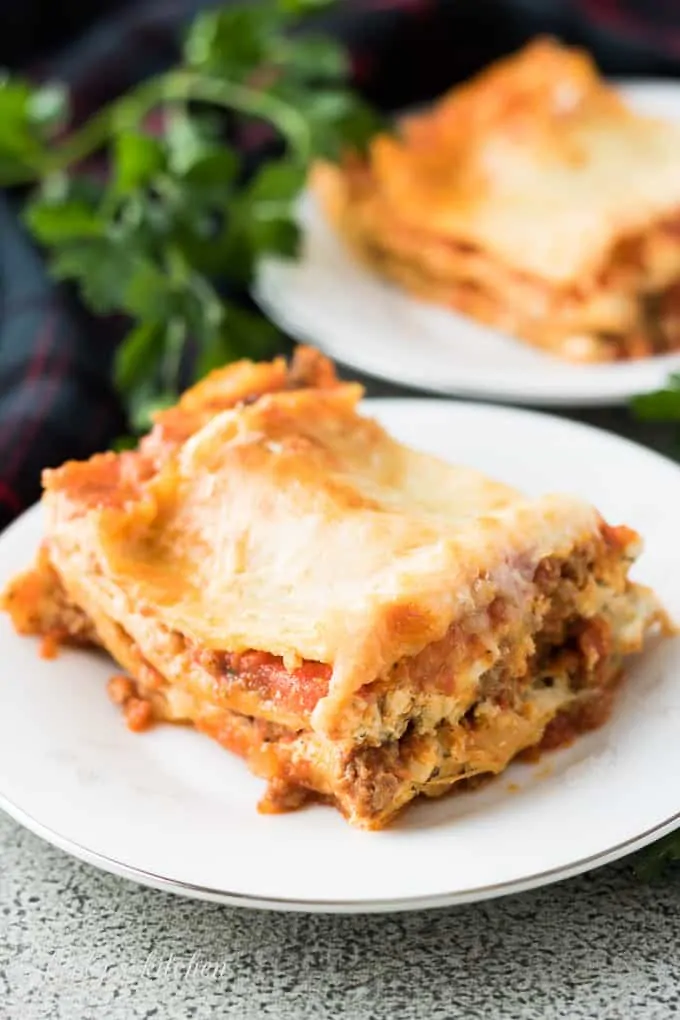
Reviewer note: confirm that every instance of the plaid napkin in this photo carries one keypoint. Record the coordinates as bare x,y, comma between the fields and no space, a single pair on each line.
56,400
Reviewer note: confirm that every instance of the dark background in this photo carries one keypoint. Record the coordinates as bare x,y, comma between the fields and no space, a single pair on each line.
56,401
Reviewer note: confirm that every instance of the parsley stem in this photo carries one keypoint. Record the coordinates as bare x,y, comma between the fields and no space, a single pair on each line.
286,119
206,294
176,86
172,356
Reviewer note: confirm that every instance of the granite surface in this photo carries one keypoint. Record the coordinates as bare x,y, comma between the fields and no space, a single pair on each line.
78,944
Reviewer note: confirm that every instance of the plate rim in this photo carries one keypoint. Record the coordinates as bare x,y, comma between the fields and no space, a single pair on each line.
195,891
144,877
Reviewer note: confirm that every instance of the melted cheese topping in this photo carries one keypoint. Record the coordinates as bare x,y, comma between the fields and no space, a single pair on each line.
297,527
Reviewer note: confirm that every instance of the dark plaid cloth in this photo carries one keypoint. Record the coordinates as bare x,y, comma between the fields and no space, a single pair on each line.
56,401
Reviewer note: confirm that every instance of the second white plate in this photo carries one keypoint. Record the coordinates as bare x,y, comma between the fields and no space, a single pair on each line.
327,298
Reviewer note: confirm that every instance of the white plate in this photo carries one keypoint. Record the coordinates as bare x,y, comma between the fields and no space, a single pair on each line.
329,299
170,808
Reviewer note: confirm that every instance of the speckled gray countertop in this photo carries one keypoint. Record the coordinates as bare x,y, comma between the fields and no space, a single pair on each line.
76,944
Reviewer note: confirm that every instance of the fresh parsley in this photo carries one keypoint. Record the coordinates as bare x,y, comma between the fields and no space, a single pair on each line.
663,405
178,214
656,860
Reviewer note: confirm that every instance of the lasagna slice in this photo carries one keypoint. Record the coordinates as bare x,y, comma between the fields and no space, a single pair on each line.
361,622
531,198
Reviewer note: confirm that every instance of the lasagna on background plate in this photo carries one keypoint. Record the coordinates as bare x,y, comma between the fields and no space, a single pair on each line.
361,622
532,199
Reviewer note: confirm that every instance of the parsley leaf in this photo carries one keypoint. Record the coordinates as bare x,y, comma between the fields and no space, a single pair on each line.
138,158
101,268
655,860
48,108
663,405
314,59
143,347
61,222
235,39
